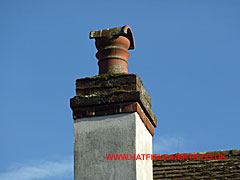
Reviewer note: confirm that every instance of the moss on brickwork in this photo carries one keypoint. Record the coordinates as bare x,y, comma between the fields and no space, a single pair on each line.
112,88
106,76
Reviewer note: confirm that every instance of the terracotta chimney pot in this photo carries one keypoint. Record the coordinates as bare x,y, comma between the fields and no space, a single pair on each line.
113,45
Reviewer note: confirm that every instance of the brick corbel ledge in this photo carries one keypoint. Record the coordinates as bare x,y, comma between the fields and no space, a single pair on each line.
113,94
102,110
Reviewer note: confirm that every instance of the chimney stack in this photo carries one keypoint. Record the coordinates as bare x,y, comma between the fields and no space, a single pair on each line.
112,114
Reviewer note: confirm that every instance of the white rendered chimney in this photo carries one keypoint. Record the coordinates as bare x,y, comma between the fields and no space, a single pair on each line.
112,115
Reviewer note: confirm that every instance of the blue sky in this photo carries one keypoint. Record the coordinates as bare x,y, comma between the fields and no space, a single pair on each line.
187,55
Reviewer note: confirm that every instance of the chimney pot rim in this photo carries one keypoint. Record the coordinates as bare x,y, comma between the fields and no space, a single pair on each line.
117,31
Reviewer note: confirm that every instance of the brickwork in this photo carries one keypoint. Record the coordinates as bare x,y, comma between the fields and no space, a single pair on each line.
113,94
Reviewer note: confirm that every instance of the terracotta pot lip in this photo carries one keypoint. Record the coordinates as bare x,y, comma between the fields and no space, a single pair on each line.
118,31
117,41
